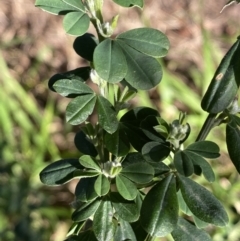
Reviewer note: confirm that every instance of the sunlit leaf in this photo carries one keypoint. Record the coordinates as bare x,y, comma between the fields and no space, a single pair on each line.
89,162
159,213
76,4
102,185
129,3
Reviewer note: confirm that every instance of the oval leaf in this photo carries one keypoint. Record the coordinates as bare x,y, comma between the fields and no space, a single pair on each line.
129,3
76,23
102,185
206,149
103,226
89,162
59,172
124,232
80,108
188,232
148,41
159,213
144,72
114,67
107,116
202,203
76,4
126,188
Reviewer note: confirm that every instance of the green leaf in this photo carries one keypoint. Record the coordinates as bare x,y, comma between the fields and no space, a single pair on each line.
114,67
182,205
57,7
76,4
85,211
233,140
224,85
89,162
203,164
206,149
84,46
117,143
159,213
107,116
126,210
59,172
185,231
202,203
103,226
66,87
80,108
87,236
102,185
85,191
183,163
124,232
144,72
84,145
148,41
86,173
159,168
126,188
140,173
199,223
156,151
76,23
129,3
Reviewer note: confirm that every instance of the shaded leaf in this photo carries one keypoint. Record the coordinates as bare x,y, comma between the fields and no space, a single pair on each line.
182,205
160,168
202,203
126,188
89,162
183,163
85,211
76,23
84,46
87,236
114,67
102,185
140,173
199,223
206,149
107,116
59,172
185,231
159,213
86,173
80,108
126,210
103,226
149,41
124,232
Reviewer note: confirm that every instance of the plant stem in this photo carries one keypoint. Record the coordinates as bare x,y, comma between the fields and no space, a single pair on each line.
207,126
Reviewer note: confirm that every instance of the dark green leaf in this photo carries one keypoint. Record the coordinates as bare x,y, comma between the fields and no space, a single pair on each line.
76,23
89,162
127,210
199,223
140,233
202,203
233,143
85,211
224,85
107,116
103,226
124,232
80,108
84,145
59,172
133,158
144,72
183,163
203,164
149,41
85,173
140,173
85,45
126,188
186,231
156,151
129,3
114,67
55,6
159,213
159,168
76,4
85,191
102,185
66,87
206,149
182,205
87,236
117,143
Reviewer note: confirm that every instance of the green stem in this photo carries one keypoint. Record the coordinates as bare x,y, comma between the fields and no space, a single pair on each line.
207,126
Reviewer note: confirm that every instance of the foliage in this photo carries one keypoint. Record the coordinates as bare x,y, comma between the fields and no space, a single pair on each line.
112,201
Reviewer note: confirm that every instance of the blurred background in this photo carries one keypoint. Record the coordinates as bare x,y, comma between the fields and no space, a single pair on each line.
33,131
